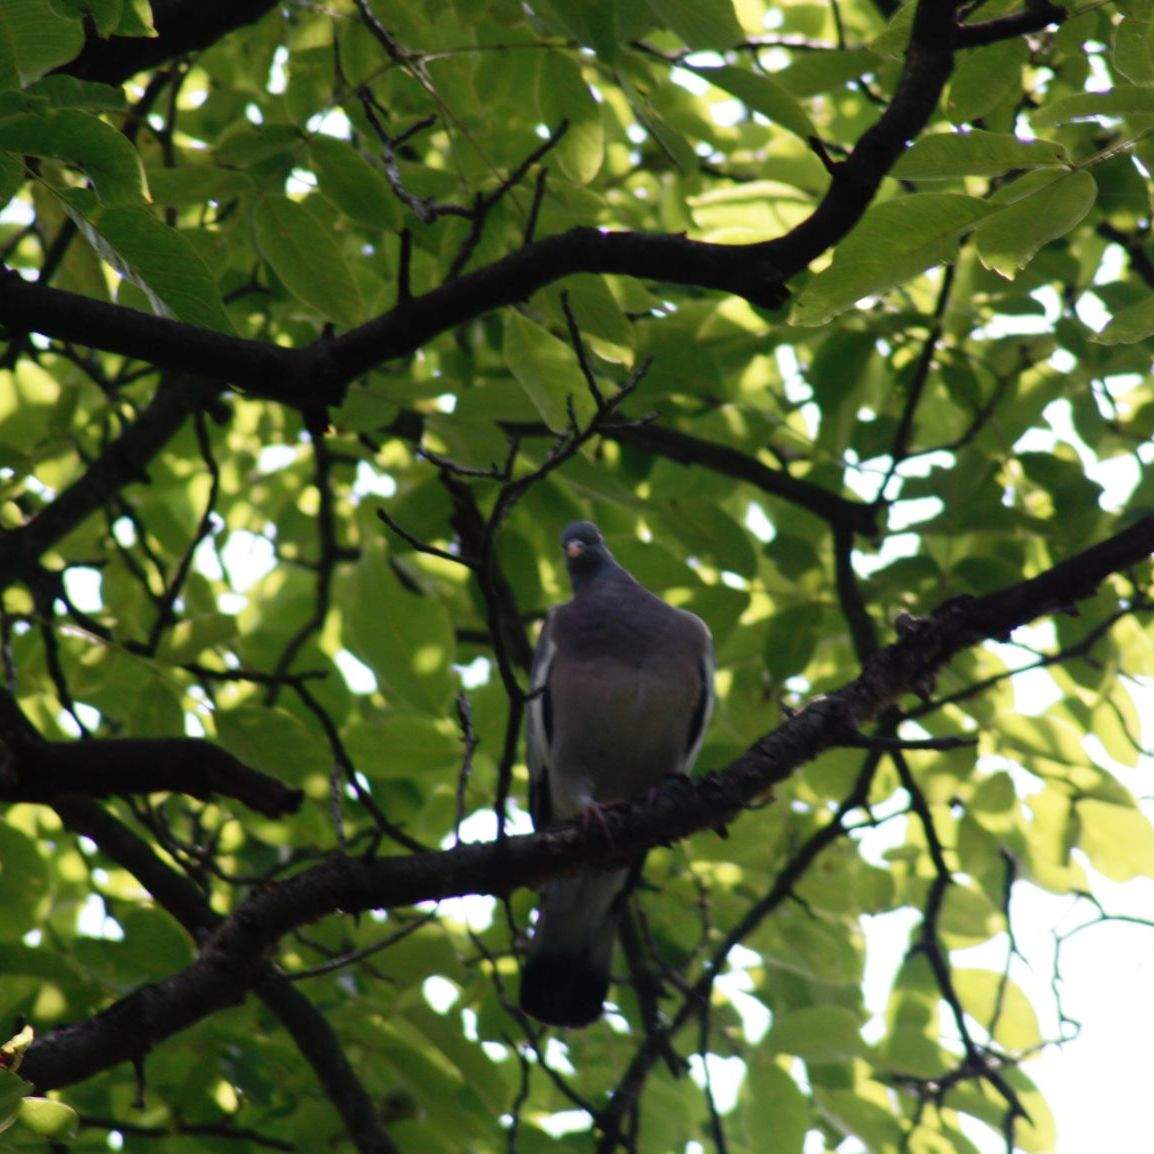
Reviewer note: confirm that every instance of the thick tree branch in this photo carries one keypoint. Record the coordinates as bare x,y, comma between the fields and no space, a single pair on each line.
181,898
35,770
316,376
1038,14
231,957
181,26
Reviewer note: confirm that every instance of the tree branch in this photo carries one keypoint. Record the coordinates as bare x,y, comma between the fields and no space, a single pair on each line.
181,26
1038,14
318,374
689,450
231,958
180,897
35,770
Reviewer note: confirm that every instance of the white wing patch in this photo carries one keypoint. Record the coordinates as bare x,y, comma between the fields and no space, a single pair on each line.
537,752
704,712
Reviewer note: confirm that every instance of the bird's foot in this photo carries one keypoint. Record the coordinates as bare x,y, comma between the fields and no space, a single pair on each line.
594,814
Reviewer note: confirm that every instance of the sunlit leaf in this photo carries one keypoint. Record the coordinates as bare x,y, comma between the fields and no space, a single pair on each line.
305,256
1008,240
894,241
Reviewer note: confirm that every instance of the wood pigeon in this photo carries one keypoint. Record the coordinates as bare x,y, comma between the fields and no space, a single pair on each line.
622,689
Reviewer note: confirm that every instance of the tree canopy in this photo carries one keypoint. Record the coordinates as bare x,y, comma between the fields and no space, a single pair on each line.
321,321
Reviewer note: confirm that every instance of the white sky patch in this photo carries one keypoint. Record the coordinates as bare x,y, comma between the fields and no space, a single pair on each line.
566,1122
903,514
1112,265
358,676
440,993
273,458
83,587
248,557
94,922
887,939
898,545
735,985
371,482
557,1056
331,123
205,560
1118,476
725,1077
474,910
124,531
476,673
1092,312
300,182
277,74
796,389
758,523
1099,79
690,81
18,212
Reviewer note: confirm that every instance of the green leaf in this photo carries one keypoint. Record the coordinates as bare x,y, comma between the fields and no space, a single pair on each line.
11,176
24,882
776,1114
106,157
404,637
942,155
810,74
994,1001
153,943
161,262
761,93
189,637
818,1034
856,1116
155,711
136,19
562,94
590,21
813,947
274,741
48,1118
40,39
1134,47
791,636
105,14
63,91
1129,325
13,1088
403,746
672,142
894,241
307,259
351,184
1009,240
1052,738
1118,840
985,77
1122,100
547,370
700,23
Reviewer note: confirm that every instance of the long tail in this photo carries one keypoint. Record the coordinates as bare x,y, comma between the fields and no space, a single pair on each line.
566,975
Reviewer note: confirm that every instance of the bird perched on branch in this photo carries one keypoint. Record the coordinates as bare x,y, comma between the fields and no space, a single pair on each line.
622,689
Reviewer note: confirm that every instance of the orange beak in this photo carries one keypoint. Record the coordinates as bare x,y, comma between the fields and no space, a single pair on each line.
574,548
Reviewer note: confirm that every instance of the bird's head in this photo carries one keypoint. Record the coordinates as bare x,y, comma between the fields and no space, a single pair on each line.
586,555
